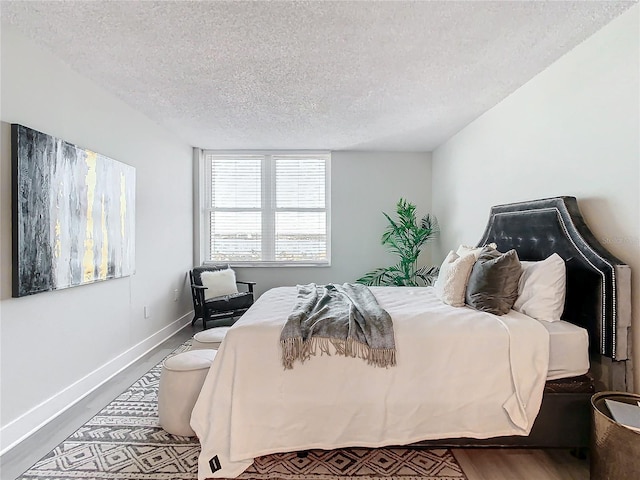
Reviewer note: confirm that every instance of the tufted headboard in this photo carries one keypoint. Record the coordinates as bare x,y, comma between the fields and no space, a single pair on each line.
598,294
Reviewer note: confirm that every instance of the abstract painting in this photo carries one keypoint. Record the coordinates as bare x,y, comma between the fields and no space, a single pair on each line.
73,214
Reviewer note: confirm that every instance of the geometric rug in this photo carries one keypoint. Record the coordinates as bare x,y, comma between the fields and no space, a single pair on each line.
358,463
124,442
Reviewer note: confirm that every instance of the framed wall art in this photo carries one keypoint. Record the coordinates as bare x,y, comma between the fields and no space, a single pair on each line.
73,214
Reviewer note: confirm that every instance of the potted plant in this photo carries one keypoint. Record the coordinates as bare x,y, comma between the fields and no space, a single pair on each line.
405,237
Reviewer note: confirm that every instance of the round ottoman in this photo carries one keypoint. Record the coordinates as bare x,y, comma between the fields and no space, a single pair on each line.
180,384
211,338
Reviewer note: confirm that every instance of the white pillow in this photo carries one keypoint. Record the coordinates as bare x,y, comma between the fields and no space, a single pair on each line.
219,283
465,250
541,289
453,277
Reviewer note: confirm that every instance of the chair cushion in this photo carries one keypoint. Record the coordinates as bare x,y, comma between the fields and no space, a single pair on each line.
219,283
231,302
197,271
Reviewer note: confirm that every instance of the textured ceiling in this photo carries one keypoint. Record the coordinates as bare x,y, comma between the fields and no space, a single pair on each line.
311,75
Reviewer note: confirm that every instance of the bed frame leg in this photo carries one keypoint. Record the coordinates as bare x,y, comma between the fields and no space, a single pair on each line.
580,452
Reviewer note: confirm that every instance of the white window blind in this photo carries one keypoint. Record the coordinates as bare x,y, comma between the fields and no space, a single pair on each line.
268,208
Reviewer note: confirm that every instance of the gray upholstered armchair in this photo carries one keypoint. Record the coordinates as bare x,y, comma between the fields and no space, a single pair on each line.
216,297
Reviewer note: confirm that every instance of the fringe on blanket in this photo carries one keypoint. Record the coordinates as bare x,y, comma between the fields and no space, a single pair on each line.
297,349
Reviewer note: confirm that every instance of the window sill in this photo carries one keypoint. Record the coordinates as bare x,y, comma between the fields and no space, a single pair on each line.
272,264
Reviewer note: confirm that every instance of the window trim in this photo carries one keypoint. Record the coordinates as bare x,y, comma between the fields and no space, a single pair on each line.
202,200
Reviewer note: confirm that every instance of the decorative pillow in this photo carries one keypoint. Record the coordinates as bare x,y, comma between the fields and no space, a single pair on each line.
493,282
541,289
452,279
219,283
465,250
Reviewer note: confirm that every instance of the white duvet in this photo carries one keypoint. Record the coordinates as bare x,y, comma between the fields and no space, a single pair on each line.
460,373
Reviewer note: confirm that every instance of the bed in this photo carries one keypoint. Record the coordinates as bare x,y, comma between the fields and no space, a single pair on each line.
463,377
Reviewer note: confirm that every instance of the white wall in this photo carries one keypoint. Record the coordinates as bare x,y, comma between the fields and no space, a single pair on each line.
56,346
363,185
572,130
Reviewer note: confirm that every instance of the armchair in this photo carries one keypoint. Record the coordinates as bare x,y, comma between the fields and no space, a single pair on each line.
216,297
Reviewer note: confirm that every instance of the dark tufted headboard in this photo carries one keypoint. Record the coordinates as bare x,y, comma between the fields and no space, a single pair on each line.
598,284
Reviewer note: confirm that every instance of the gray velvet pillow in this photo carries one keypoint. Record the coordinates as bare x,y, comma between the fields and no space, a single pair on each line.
493,283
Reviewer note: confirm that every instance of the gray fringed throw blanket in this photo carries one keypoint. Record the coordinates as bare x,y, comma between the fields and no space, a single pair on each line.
346,316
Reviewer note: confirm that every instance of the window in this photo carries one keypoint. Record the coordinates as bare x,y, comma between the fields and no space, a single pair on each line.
267,208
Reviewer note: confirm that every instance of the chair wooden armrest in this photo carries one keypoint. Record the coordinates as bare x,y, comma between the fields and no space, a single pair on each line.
248,284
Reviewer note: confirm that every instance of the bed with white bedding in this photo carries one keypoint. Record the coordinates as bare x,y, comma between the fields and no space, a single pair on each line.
439,387
460,373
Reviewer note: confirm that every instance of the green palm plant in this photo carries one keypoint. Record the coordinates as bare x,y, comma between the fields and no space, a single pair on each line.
405,237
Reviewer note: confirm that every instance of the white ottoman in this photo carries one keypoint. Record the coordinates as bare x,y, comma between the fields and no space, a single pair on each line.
180,384
210,338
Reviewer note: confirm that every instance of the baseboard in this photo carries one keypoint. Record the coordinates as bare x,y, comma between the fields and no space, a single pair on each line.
17,430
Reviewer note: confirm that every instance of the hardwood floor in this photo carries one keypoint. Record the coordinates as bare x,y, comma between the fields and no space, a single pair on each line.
17,460
520,464
477,464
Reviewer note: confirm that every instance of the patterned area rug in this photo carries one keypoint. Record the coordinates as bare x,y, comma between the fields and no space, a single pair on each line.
125,442
357,464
